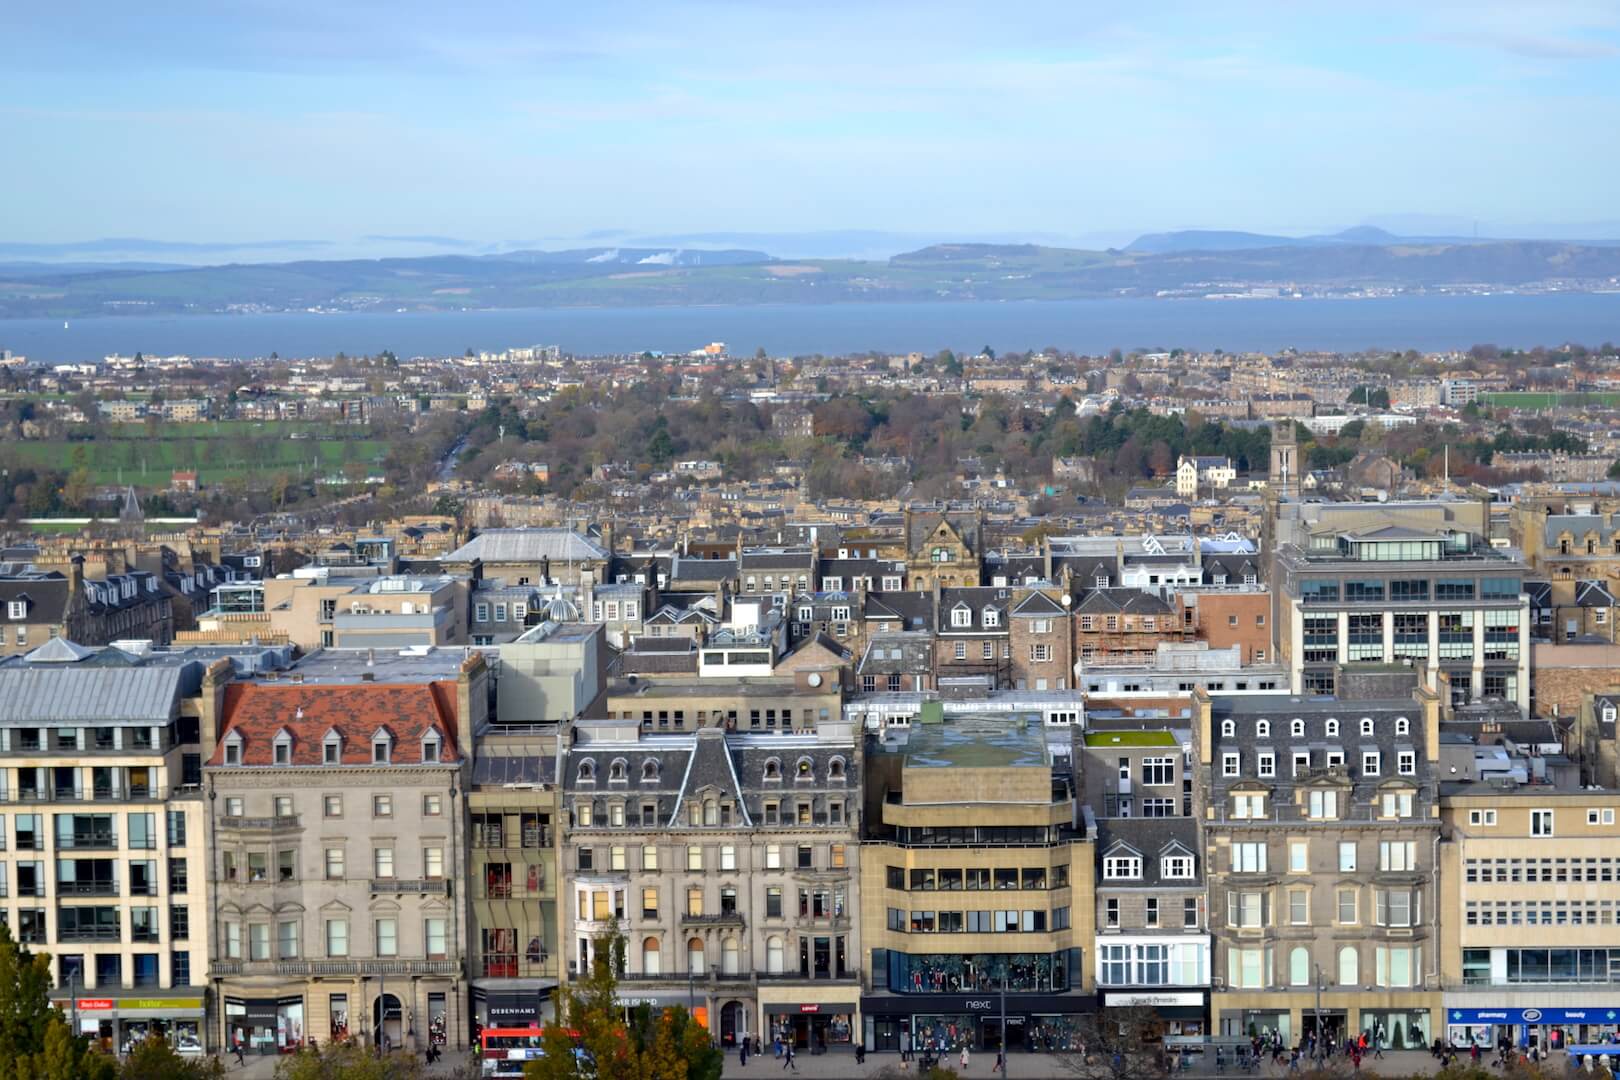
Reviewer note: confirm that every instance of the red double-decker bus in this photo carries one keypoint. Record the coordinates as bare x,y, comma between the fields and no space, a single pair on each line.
506,1050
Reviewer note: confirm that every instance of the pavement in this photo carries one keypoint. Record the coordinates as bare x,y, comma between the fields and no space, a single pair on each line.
840,1065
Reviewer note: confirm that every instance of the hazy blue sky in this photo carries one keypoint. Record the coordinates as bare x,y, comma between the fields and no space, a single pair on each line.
529,121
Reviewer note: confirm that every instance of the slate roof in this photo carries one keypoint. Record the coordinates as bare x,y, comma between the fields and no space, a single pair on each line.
528,545
1120,601
1151,838
1236,566
45,594
1593,594
1037,605
257,711
912,610
976,599
685,570
66,694
902,653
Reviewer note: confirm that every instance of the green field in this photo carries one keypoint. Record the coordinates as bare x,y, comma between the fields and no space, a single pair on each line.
218,451
1529,399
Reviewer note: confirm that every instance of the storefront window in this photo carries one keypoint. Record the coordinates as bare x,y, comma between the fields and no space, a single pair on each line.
977,972
1397,1029
338,1010
943,1034
438,1020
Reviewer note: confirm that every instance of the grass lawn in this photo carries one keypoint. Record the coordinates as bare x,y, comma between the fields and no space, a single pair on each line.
218,451
1529,399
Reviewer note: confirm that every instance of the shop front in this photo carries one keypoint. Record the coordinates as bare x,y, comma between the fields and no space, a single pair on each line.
265,1025
1549,1028
811,1026
511,1007
947,1022
123,1023
1183,1014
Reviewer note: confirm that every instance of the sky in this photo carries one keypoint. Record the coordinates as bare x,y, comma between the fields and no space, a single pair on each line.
324,128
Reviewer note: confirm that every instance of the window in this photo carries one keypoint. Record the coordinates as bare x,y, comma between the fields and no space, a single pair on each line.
332,806
649,903
1406,762
1482,817
1249,807
1397,855
1299,966
1370,762
433,937
773,902
233,941
1349,966
649,857
1150,914
387,937
258,941
1603,816
382,862
1231,764
1298,856
287,941
382,806
1249,857
1266,764
1323,805
337,937
381,749
1249,910
233,806
1541,823
1111,912
1122,866
728,857
1347,856
773,856
1299,907
694,857
1189,912
1177,867
1296,728
334,864
1158,771
1228,729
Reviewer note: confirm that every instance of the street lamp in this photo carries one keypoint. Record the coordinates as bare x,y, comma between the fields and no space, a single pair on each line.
1321,1048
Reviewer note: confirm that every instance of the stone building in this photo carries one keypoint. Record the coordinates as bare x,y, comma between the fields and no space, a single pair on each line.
976,876
728,859
1321,832
337,825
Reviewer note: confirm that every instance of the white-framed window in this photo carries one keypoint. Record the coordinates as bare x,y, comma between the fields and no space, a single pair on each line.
1600,816
992,617
16,609
961,616
1541,823
1403,726
1399,856
1249,807
1247,910
1331,728
1122,866
1231,763
1371,762
1366,725
1397,804
500,612
1406,762
1299,856
1262,729
1246,968
1158,771
1228,729
1302,762
1249,857
1296,728
961,650
1323,805
1485,818
1266,764
1176,867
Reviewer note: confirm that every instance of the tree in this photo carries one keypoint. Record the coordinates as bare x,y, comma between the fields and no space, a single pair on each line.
155,1059
667,1046
1118,1044
35,1043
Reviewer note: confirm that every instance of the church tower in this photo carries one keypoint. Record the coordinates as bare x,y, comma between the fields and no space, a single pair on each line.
1284,459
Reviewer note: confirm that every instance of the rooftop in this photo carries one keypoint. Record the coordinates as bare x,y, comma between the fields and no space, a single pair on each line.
1097,739
978,742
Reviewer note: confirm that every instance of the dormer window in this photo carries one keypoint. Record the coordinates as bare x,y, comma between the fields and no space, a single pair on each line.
1296,728
773,769
281,749
382,748
804,770
1403,726
1122,866
16,609
1176,867
961,617
1331,728
1228,729
430,747
1609,714
618,771
332,748
1262,729
1366,725
835,769
992,617
649,772
233,748
587,772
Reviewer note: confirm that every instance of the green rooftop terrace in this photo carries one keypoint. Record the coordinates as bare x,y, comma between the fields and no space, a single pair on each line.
1098,740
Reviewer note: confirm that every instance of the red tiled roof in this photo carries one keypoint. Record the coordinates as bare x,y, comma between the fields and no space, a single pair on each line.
258,711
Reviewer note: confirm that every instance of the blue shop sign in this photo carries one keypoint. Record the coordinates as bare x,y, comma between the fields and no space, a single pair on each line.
1602,1014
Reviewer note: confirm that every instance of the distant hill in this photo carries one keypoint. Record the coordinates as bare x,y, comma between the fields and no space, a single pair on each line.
1356,260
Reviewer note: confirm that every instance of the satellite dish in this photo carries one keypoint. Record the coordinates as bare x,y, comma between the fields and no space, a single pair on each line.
814,678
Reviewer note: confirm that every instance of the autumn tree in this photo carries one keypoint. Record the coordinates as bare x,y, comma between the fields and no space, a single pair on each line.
336,1061
35,1043
155,1059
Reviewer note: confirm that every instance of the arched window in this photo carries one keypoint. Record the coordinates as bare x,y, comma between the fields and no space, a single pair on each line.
1331,727
1299,966
1228,728
1296,728
835,769
773,769
618,770
773,955
730,957
1403,726
1366,725
587,771
1262,729
649,770
1349,966
651,959
694,956
804,770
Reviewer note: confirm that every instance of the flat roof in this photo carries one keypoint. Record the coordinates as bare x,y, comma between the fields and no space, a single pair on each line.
1130,738
978,742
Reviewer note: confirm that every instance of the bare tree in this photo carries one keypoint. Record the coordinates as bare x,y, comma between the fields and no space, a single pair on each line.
1119,1044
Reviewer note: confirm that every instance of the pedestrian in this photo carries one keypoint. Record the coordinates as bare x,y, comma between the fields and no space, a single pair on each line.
787,1059
743,1054
964,1058
776,1043
237,1046
1000,1066
860,1053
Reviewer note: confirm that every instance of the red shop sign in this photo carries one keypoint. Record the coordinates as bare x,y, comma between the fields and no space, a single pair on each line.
92,1004
809,1008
